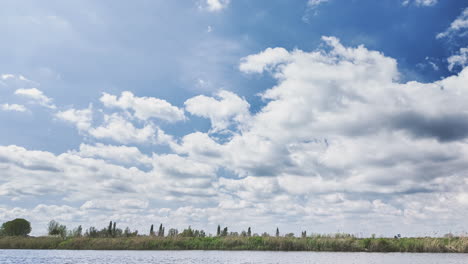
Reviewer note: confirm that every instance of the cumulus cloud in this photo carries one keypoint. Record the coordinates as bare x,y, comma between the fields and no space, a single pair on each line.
459,59
13,107
216,5
340,138
116,154
459,24
257,63
80,118
67,174
119,129
106,204
421,2
36,96
223,110
144,108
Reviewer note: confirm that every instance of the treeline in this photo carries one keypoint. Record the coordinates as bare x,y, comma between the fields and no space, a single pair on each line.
14,235
112,231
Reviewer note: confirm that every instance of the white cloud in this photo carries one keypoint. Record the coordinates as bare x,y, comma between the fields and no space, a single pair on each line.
178,166
80,118
216,5
227,108
119,129
117,154
7,76
421,2
264,60
460,59
144,108
106,204
460,23
426,2
340,139
37,96
8,79
315,3
13,107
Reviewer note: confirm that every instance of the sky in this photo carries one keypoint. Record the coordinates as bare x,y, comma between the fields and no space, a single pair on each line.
319,115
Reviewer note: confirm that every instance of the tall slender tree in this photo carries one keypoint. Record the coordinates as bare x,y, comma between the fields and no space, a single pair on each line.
113,229
152,230
160,230
218,231
277,232
109,229
249,232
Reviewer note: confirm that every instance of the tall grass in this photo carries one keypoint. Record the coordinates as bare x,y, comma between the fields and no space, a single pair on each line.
315,243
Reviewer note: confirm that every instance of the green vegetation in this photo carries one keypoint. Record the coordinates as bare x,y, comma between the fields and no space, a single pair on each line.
14,236
17,227
320,243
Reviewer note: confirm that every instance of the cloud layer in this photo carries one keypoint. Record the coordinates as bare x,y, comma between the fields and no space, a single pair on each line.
339,139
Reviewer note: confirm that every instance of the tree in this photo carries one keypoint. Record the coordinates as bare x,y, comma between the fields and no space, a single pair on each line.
113,229
16,227
187,232
304,234
277,232
249,232
152,230
77,232
172,232
109,229
56,229
225,232
127,232
161,231
218,231
91,232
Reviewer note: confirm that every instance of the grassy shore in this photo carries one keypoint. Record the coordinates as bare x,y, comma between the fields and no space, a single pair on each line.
351,244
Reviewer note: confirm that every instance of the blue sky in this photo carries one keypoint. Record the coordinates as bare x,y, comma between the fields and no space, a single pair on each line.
318,115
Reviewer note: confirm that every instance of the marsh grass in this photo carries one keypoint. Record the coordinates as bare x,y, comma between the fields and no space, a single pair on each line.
315,243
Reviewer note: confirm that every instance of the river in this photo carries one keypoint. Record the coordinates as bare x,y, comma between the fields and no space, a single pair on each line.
214,257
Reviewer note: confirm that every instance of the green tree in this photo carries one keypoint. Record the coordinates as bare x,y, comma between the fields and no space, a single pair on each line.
91,232
161,231
127,232
113,229
56,229
249,232
277,232
16,227
77,232
152,230
225,232
172,232
109,229
218,231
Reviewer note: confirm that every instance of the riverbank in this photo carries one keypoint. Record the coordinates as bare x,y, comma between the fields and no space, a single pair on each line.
351,244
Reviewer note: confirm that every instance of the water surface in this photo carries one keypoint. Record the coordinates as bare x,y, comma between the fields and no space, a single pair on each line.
212,257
